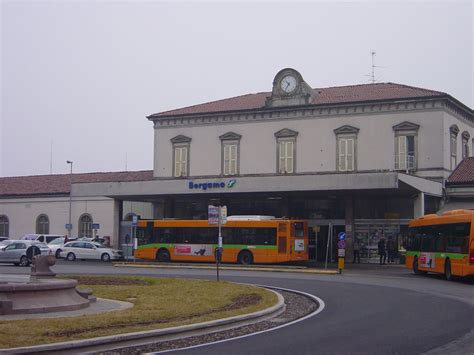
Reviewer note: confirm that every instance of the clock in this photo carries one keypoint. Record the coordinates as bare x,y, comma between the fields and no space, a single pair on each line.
288,84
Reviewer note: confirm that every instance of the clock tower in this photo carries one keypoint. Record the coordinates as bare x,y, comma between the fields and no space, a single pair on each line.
289,89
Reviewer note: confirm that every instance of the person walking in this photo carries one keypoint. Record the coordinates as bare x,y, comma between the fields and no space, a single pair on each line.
382,251
391,250
356,250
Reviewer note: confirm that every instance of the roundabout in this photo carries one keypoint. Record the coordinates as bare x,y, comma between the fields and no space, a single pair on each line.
378,310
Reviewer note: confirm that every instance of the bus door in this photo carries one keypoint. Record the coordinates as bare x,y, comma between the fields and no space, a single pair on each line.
282,241
313,243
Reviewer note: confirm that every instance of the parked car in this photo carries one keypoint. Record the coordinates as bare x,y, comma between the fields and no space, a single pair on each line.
88,250
3,238
43,238
56,245
21,252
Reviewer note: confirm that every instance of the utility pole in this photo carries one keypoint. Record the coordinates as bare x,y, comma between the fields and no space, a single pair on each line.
70,198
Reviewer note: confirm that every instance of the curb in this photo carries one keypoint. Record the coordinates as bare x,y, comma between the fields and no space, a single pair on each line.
237,268
95,344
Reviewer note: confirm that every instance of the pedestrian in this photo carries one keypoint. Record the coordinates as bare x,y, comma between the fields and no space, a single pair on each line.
382,251
356,250
66,239
391,250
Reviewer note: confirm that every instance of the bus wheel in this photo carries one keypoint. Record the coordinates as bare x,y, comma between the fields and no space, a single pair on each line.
415,267
447,270
245,257
163,255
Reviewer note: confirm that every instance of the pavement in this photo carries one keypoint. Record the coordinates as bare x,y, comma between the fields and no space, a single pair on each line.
307,268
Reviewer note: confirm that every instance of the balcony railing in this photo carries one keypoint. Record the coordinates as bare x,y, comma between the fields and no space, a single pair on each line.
405,162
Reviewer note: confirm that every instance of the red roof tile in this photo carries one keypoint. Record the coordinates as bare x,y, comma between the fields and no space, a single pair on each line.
325,96
463,174
60,184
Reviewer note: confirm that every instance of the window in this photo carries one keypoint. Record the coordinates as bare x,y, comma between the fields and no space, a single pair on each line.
453,130
85,226
4,230
181,145
465,144
286,151
346,137
129,216
230,153
42,224
406,146
449,238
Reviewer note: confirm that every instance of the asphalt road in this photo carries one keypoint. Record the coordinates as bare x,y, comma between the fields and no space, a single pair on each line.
368,311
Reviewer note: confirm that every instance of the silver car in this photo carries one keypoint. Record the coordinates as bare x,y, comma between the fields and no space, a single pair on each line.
21,252
88,250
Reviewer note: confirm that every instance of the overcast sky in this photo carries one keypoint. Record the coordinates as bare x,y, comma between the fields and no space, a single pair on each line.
80,76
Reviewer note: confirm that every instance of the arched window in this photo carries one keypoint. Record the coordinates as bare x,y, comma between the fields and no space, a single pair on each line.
42,224
4,230
85,226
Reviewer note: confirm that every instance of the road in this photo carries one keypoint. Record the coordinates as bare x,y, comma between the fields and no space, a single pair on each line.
369,311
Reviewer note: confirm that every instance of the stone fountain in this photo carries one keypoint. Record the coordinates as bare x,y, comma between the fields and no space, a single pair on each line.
41,292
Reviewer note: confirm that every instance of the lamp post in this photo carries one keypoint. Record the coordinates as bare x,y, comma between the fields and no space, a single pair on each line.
70,199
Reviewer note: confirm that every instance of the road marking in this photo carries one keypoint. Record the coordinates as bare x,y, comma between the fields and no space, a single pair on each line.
317,311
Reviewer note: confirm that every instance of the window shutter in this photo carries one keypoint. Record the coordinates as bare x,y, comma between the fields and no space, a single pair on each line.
350,154
289,157
342,154
177,159
281,153
233,159
402,152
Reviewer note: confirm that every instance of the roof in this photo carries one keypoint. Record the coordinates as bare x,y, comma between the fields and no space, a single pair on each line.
325,96
61,184
463,174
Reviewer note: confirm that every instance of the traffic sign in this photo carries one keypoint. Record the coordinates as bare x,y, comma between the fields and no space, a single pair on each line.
223,214
341,244
341,236
341,253
212,214
68,226
95,226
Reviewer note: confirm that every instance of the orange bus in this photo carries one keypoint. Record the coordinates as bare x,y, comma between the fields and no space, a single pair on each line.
442,244
245,240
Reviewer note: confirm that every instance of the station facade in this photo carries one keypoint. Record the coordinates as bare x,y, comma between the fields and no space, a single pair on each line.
363,159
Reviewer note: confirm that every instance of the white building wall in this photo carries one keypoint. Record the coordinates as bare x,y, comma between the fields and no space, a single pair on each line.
23,212
448,121
316,143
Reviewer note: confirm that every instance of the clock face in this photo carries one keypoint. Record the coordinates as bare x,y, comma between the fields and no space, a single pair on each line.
288,83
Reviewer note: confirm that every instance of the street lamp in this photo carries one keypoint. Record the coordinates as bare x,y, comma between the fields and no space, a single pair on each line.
69,227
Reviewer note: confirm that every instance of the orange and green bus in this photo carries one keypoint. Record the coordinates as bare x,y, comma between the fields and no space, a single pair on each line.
245,241
442,244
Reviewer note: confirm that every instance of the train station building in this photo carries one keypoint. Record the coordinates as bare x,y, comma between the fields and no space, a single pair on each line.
363,159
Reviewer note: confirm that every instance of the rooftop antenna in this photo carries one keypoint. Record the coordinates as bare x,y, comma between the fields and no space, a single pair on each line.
373,66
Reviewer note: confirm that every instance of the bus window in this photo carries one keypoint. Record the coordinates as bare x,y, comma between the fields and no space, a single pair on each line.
298,229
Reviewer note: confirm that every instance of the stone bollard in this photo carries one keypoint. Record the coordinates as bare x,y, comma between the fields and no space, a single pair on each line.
41,264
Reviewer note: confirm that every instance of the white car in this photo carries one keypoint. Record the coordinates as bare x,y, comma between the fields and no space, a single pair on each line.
88,250
56,245
21,252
